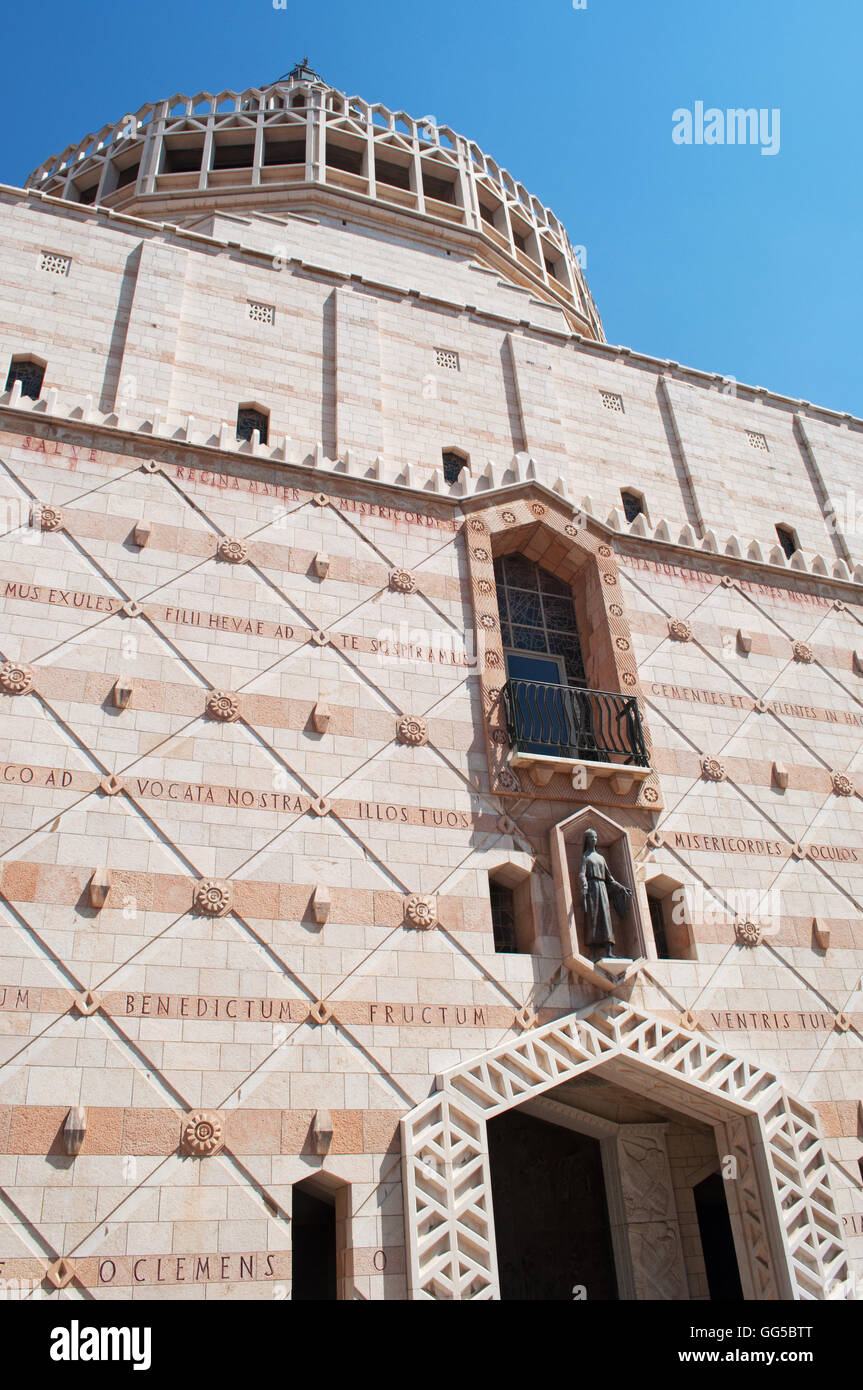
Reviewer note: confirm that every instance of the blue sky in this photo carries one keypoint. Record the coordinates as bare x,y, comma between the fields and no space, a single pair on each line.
717,256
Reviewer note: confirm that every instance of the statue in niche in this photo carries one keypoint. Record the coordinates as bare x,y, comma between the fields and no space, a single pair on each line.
601,895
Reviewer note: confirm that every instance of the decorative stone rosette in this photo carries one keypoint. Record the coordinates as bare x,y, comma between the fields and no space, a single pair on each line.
213,897
412,730
16,678
679,630
203,1134
223,705
713,770
234,551
507,781
802,652
842,784
50,518
402,582
747,933
421,911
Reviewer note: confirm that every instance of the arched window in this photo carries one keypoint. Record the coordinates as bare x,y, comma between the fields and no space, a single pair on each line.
788,539
453,464
633,503
30,373
250,419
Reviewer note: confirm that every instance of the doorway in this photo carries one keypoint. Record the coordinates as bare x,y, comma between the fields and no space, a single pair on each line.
313,1238
717,1240
550,1212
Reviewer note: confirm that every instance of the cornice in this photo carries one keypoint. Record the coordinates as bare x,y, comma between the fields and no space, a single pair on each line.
495,484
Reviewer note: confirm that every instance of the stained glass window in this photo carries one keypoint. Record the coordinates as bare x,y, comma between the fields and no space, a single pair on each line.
537,613
250,420
30,374
452,466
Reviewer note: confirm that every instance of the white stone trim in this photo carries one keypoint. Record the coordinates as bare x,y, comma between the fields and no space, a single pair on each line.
783,1210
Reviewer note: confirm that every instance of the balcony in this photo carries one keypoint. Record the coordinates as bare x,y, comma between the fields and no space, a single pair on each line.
583,733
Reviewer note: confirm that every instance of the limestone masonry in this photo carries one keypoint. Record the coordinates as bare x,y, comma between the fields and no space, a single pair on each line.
349,577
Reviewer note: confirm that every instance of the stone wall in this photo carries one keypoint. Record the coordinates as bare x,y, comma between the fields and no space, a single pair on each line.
262,749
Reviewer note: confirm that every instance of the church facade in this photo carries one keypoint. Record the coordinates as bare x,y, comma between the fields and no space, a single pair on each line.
431,839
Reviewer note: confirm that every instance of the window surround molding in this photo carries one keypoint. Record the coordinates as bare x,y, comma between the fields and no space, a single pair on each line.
672,894
546,529
514,870
253,407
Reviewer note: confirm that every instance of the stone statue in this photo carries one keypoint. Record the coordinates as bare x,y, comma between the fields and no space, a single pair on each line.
600,893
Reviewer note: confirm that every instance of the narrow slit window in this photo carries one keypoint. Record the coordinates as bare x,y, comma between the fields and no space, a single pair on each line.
788,540
503,918
657,922
670,919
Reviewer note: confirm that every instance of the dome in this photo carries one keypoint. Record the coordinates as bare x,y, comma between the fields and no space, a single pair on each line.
297,145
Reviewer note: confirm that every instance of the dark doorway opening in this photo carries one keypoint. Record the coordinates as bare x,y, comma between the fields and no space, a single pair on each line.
313,1237
550,1213
717,1240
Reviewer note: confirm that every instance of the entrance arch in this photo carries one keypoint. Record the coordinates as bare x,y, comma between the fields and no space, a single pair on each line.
787,1230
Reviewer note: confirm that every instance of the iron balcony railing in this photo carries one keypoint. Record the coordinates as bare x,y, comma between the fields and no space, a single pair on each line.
566,722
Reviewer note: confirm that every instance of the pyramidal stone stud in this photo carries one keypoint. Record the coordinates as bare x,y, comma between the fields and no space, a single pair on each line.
122,692
74,1130
100,887
60,1273
322,717
322,1132
88,1002
322,903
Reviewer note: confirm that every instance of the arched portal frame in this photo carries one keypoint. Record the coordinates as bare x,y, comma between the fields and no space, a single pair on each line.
788,1233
